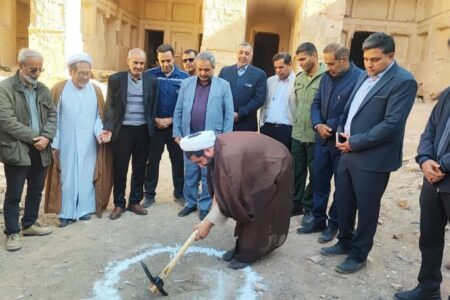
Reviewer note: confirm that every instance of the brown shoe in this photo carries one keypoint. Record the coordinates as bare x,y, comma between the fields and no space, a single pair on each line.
116,213
137,209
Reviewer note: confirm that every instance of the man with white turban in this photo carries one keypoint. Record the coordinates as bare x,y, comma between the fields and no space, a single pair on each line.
76,144
250,177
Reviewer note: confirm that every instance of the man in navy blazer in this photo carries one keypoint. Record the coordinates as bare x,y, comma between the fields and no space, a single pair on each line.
433,156
248,85
204,103
370,135
128,117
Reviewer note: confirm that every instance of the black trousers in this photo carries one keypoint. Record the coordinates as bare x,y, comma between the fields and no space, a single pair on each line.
279,132
15,180
434,216
358,191
132,142
164,137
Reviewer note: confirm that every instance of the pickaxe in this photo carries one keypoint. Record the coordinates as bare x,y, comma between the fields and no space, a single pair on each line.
157,283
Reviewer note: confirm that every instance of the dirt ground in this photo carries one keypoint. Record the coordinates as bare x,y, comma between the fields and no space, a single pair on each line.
100,258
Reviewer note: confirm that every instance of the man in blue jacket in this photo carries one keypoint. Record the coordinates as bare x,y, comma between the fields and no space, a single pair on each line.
169,83
328,105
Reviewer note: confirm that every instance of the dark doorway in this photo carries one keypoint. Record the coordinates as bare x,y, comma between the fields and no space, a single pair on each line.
265,47
356,53
153,38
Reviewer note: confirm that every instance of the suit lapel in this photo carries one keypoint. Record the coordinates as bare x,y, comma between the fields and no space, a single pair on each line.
124,88
381,83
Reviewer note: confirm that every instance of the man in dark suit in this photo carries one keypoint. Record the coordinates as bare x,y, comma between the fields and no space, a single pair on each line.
248,86
374,126
433,156
128,121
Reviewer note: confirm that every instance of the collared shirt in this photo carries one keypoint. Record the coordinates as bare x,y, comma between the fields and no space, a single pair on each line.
168,87
241,70
362,92
134,111
278,109
30,95
198,113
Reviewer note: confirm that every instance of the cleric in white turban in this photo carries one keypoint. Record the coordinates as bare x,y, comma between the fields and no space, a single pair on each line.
79,57
198,141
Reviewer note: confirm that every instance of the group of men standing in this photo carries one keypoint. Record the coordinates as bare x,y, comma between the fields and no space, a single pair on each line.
336,120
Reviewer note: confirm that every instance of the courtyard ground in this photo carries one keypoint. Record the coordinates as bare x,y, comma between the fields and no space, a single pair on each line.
100,258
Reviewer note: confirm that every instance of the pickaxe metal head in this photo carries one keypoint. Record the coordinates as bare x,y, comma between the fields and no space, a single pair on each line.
156,281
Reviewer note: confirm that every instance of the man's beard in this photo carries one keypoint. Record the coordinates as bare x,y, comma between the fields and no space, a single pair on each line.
30,79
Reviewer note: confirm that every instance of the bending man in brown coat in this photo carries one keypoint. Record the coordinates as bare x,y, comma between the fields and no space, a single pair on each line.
250,177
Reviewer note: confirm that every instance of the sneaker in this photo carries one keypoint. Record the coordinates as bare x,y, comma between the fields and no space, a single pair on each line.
37,230
13,242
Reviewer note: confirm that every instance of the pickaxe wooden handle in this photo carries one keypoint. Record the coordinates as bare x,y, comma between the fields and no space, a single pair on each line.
171,265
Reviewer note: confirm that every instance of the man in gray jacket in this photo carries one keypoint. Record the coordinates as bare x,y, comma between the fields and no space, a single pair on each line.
27,125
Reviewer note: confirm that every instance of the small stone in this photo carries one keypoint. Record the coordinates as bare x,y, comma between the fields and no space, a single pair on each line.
397,286
447,267
415,222
402,203
398,236
380,222
323,296
259,287
315,259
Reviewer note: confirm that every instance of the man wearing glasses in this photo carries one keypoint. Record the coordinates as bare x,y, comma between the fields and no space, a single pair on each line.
27,126
189,59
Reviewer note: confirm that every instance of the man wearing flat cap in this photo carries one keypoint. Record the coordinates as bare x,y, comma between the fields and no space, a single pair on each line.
250,178
72,192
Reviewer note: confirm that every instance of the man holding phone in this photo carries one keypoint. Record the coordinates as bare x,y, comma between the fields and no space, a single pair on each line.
374,125
328,105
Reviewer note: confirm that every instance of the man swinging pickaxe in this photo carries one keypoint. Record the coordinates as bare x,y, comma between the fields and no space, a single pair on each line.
157,283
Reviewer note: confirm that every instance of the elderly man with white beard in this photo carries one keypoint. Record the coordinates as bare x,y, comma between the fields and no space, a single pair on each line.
79,131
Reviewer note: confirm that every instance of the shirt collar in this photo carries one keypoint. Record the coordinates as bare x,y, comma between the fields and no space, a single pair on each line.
243,67
288,78
131,77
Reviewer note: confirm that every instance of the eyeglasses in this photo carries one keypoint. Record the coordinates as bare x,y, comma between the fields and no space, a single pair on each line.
185,60
35,70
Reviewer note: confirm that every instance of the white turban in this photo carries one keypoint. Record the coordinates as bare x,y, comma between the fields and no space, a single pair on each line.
198,141
79,57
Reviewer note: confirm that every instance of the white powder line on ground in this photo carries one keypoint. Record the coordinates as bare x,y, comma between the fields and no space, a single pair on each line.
105,287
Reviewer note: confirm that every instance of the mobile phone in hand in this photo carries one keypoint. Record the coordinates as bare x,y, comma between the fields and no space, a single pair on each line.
340,138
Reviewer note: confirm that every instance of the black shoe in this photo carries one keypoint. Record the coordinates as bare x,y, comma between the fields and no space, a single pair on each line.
236,265
335,250
307,219
418,293
64,222
147,202
202,214
186,211
350,266
311,228
179,200
328,234
228,255
86,217
297,209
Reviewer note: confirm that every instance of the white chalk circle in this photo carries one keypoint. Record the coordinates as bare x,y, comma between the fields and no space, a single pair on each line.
105,288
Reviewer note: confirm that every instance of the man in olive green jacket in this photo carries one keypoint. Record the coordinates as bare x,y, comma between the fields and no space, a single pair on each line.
303,136
27,125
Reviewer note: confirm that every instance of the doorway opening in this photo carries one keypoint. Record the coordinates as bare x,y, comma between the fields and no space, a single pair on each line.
267,46
356,53
153,39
